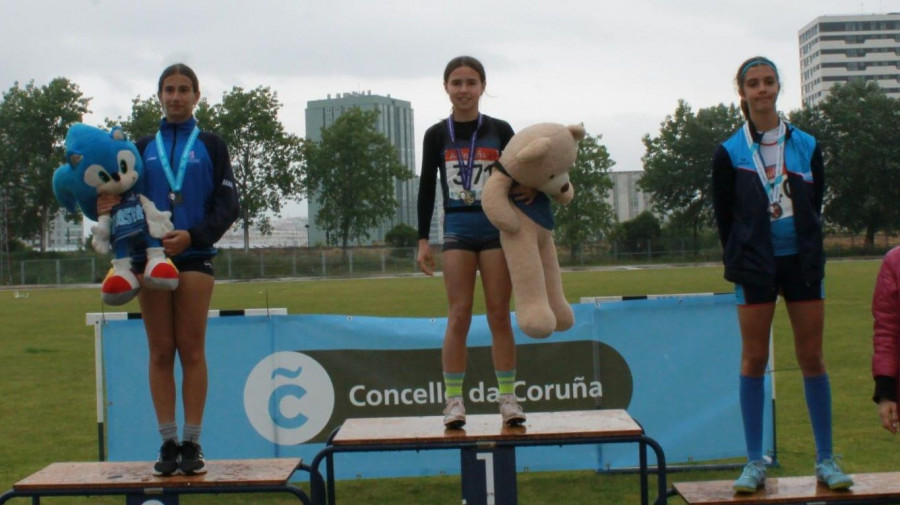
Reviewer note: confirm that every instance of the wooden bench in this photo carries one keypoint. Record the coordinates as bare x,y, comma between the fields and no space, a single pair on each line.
868,488
136,481
487,447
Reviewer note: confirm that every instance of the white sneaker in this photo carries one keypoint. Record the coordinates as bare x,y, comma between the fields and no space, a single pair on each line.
454,413
510,410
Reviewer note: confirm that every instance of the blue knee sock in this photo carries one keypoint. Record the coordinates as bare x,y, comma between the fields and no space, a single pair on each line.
752,402
818,403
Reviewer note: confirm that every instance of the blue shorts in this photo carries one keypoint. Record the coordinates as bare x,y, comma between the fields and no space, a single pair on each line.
788,283
469,231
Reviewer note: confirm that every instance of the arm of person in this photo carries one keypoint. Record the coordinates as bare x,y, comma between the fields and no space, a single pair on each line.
426,198
818,172
224,206
723,192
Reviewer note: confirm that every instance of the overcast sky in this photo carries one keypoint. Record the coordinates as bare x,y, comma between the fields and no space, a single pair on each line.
618,67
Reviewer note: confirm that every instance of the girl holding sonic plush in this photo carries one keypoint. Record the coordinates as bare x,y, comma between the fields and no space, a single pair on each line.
460,148
187,172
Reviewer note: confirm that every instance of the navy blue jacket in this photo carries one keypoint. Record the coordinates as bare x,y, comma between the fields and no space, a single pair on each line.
210,199
741,205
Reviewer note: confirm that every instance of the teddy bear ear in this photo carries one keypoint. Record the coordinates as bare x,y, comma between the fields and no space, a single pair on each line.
536,149
577,131
75,159
118,133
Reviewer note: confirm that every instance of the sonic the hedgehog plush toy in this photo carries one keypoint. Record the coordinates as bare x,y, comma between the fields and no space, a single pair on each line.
106,162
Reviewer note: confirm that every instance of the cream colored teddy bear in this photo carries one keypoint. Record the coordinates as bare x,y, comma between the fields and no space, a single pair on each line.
539,157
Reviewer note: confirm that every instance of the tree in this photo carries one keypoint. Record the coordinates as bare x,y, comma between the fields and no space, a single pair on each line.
33,125
351,173
267,161
677,162
402,235
635,235
144,118
587,217
856,126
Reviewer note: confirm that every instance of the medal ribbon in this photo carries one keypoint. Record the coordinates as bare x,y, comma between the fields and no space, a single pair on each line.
772,188
176,180
465,171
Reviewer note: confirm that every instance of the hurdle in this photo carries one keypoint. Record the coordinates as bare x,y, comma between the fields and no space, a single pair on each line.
868,489
487,447
136,482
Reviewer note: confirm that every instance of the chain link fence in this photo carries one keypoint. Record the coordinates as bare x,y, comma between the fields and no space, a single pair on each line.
234,264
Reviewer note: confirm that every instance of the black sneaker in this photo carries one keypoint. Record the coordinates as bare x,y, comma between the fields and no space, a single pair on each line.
192,461
167,463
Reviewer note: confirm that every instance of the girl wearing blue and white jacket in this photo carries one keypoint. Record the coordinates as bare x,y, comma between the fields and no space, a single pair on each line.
187,172
768,188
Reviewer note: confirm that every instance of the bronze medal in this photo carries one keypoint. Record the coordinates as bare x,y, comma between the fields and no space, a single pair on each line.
175,197
775,210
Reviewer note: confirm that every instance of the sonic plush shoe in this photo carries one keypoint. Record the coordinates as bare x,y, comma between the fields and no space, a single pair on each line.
829,473
752,478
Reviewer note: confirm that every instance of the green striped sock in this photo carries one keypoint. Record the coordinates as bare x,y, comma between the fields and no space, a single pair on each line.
453,383
506,381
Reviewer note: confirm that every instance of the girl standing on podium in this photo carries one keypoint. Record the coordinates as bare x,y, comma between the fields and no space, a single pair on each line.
768,190
188,172
460,148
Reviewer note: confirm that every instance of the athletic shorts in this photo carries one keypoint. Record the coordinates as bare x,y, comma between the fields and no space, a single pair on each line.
469,231
190,264
788,283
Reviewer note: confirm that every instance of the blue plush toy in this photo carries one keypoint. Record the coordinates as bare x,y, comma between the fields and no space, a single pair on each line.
106,162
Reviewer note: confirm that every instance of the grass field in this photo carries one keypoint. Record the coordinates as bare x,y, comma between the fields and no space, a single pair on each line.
47,411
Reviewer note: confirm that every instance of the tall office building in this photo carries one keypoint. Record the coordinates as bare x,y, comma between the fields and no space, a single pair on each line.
837,49
395,122
626,198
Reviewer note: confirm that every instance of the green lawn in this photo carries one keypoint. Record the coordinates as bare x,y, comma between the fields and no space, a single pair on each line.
48,410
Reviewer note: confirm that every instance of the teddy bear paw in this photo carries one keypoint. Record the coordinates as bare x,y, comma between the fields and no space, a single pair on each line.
536,323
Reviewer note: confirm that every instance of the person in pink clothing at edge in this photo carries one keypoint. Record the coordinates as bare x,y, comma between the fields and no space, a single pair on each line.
886,340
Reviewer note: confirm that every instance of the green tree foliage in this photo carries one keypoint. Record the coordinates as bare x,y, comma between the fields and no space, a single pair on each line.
267,161
33,125
144,118
637,234
402,235
351,174
677,162
856,126
588,217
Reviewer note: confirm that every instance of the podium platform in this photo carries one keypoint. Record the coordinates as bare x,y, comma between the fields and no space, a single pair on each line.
487,447
137,483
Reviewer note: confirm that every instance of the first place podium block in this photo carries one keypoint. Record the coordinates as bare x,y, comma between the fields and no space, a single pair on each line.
487,447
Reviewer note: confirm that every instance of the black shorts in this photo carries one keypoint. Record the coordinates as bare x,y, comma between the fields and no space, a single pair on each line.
189,264
788,283
195,264
474,244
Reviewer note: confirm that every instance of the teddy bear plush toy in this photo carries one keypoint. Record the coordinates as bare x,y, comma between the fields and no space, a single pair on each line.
106,162
539,157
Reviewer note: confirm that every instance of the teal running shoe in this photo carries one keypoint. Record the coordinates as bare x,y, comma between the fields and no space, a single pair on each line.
752,478
829,473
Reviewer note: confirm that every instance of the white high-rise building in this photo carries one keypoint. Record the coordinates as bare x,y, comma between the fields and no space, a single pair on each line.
838,49
395,122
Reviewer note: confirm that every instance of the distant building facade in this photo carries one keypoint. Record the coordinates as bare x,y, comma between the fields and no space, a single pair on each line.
64,235
838,49
395,122
626,197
